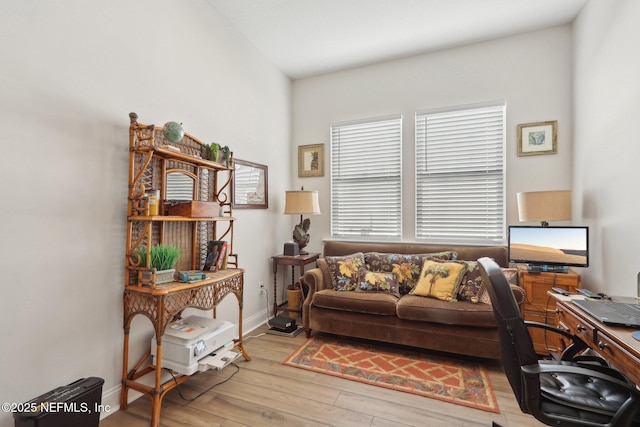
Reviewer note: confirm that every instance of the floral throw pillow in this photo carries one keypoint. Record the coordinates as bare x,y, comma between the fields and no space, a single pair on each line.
344,271
406,266
440,280
372,281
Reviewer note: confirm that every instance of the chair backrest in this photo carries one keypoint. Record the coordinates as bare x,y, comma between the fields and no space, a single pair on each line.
515,342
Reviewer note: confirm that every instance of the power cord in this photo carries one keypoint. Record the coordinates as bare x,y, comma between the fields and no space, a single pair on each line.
205,391
268,318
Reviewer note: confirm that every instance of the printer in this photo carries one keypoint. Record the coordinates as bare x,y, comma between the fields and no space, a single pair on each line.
196,343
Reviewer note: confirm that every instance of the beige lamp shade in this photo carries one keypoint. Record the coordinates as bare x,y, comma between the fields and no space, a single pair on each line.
544,206
302,202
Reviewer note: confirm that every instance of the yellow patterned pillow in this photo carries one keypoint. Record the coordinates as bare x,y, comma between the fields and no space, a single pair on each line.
440,280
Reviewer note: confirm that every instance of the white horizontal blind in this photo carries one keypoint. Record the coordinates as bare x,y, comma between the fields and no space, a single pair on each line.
460,175
366,178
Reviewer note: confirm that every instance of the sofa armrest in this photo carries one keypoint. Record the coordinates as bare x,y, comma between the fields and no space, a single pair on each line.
520,295
314,279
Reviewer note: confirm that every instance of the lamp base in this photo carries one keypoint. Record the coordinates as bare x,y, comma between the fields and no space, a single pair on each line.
304,252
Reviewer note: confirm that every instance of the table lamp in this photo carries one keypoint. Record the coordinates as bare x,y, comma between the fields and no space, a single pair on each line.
302,202
544,206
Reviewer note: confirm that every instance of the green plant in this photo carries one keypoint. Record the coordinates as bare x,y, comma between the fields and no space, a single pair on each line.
163,257
215,150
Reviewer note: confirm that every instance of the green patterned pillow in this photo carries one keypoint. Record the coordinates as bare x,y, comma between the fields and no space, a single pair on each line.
376,281
471,284
344,271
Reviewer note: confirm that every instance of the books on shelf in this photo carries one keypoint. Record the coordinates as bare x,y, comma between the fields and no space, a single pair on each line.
216,256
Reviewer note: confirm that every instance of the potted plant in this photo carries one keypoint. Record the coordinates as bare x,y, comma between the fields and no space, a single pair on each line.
162,262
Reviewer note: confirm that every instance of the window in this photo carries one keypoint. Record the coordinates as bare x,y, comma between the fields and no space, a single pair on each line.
460,175
366,178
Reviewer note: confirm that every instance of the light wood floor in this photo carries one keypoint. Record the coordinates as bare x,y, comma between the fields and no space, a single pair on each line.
265,392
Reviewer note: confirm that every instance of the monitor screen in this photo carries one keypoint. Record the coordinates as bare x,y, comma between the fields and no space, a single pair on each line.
537,245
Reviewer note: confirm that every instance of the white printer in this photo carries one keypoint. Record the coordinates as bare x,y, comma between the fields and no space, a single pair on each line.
187,342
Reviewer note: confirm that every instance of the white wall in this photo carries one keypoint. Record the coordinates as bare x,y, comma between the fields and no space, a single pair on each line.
607,108
531,72
71,71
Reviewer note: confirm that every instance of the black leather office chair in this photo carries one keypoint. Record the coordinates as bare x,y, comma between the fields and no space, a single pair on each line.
559,393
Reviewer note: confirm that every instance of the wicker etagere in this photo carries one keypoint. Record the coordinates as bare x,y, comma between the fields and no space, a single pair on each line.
152,160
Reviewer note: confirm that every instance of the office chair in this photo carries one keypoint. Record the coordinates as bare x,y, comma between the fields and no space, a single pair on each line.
559,393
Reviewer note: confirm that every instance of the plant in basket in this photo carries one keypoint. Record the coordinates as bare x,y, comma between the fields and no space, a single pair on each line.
163,260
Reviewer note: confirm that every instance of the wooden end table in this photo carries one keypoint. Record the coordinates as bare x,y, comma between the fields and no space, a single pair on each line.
298,260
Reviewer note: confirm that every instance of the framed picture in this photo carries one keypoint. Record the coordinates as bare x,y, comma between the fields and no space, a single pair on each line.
537,138
250,185
310,160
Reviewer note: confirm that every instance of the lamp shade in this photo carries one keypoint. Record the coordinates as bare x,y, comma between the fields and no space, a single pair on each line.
544,205
302,202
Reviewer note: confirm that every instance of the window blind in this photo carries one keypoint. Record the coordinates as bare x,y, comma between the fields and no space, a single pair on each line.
460,175
366,178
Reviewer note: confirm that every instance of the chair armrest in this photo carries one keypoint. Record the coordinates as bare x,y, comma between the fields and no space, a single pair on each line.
577,344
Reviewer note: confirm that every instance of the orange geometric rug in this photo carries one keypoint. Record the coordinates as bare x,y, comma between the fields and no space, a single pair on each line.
455,381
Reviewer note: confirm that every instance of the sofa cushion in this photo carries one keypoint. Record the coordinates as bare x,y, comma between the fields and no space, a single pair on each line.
406,266
342,272
461,313
440,279
377,281
362,302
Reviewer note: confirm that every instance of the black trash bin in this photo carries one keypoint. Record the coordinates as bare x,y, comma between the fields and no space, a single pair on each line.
73,405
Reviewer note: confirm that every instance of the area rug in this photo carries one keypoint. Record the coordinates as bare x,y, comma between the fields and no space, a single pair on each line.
456,381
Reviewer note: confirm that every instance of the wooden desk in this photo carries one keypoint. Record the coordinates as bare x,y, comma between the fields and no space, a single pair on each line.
613,343
300,261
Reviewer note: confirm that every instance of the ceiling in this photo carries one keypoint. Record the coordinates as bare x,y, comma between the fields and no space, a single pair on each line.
309,37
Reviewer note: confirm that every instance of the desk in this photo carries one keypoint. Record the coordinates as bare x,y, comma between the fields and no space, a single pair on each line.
613,343
300,261
160,305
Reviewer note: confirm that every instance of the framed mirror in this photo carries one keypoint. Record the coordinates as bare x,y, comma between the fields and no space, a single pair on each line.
249,187
180,185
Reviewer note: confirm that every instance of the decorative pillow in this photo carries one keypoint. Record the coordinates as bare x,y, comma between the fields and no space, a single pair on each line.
512,277
344,271
440,280
406,266
471,283
376,281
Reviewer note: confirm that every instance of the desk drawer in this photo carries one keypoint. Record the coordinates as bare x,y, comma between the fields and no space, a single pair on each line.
618,356
576,326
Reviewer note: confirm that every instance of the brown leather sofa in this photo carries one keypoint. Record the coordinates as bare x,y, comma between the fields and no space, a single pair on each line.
460,327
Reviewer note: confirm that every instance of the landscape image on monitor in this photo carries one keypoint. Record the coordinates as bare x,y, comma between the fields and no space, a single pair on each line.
558,246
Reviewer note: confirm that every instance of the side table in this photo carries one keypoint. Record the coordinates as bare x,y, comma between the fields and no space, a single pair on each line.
300,261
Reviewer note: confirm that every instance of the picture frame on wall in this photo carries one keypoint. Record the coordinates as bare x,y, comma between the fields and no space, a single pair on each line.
310,160
537,138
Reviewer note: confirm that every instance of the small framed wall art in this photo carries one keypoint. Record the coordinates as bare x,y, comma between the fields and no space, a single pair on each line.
310,160
537,138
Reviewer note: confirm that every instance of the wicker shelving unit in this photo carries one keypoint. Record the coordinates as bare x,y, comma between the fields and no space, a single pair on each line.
154,163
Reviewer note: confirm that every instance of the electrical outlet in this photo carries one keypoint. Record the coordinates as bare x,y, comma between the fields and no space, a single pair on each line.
262,288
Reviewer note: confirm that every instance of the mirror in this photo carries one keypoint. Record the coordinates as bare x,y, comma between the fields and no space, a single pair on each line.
180,185
249,188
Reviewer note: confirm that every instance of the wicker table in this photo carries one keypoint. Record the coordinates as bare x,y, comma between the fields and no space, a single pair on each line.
161,304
